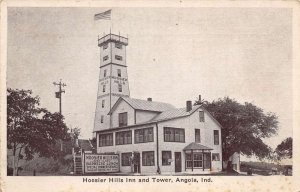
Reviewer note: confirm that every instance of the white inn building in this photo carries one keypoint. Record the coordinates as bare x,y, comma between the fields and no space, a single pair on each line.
150,137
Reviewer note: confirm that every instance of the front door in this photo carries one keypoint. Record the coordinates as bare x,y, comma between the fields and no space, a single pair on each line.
137,166
177,161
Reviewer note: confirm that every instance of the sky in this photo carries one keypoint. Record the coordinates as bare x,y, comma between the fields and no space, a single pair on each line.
174,55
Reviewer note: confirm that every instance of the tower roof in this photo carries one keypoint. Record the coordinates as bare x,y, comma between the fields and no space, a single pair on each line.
112,38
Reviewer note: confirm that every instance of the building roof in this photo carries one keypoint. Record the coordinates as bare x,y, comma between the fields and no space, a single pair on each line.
85,145
174,113
196,146
144,105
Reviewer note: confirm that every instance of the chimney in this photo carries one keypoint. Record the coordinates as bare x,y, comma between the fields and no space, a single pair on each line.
200,98
149,99
188,106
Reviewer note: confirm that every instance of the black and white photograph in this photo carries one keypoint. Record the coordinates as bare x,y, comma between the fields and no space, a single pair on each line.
163,94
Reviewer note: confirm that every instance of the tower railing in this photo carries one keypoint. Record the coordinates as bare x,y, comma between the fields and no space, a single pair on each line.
114,38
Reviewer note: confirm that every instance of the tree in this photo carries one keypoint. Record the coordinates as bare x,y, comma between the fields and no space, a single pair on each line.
244,127
31,129
285,149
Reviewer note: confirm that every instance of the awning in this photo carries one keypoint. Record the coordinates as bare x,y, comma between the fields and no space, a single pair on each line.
196,146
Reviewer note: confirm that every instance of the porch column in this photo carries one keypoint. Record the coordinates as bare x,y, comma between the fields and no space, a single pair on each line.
192,159
210,161
202,159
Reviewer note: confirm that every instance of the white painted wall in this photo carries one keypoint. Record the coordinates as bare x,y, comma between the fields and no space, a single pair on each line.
122,107
143,116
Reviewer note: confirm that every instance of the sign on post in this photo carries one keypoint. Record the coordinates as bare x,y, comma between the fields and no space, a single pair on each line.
101,163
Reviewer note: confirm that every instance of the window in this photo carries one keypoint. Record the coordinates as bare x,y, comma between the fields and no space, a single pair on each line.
125,159
103,103
104,75
215,157
143,135
148,158
216,137
105,46
120,87
105,58
174,135
102,118
201,116
197,160
197,136
124,137
166,155
117,57
118,45
119,72
106,139
103,88
122,119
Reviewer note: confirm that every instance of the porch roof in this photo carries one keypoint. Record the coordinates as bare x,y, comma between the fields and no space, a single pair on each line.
196,146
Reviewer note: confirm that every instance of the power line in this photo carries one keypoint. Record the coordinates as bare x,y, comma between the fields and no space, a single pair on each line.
59,92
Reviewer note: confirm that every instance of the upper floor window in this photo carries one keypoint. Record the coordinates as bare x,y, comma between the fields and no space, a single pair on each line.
174,135
124,137
102,119
103,103
104,73
119,72
148,158
126,159
143,135
117,57
105,46
216,137
201,116
118,45
105,58
197,136
166,157
120,87
103,89
105,139
123,119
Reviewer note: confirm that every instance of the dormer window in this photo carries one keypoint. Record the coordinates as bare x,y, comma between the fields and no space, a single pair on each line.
201,116
122,119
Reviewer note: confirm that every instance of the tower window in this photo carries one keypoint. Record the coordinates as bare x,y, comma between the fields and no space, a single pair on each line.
103,103
102,118
120,87
118,45
117,57
104,72
119,72
105,58
103,88
105,46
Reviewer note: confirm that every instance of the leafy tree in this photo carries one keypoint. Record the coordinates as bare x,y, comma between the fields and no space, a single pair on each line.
31,129
285,149
244,127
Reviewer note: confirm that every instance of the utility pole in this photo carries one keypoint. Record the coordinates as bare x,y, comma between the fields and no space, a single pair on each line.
59,92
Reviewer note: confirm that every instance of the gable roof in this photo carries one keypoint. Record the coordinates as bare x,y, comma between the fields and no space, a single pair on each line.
174,113
144,105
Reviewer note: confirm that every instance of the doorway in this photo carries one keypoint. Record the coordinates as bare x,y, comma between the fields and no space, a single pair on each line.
177,161
137,165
